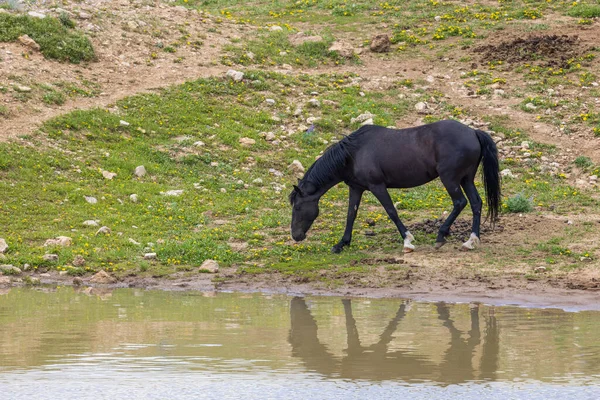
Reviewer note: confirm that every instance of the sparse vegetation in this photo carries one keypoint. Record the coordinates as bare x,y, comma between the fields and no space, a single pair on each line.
56,41
519,204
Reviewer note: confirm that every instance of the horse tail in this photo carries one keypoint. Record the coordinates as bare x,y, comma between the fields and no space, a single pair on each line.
491,173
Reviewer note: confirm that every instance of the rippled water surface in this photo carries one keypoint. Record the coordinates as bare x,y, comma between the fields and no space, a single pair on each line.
136,344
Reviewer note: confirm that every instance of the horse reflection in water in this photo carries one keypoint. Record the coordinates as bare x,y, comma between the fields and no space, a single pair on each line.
375,362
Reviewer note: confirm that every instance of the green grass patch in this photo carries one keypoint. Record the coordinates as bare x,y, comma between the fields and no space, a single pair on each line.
56,40
585,11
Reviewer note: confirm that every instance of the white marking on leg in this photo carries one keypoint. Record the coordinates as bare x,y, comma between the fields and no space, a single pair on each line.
408,246
472,242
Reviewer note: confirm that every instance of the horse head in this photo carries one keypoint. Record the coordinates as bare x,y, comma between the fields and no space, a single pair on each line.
305,209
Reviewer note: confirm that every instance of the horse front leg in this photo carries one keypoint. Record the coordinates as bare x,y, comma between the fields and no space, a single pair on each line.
353,203
380,191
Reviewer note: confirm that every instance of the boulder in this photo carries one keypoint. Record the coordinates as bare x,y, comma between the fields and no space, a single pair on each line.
3,246
29,42
50,257
343,49
296,168
140,171
63,241
103,278
210,266
237,76
380,44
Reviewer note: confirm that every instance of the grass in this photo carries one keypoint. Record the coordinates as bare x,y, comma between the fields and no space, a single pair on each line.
56,40
223,201
275,48
232,193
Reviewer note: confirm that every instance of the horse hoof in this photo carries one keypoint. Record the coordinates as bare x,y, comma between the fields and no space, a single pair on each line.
438,245
336,250
408,250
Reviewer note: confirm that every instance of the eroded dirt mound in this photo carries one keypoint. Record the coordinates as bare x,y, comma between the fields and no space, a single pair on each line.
459,231
551,50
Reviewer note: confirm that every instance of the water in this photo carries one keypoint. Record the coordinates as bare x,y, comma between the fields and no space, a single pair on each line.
136,344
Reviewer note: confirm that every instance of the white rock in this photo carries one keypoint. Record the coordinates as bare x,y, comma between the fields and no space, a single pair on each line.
270,102
134,242
368,122
275,28
50,257
421,107
258,181
140,171
150,256
90,222
297,168
507,173
133,198
210,266
312,120
3,246
530,106
63,241
105,230
247,142
199,143
314,103
525,145
123,123
269,136
273,171
499,92
108,175
90,199
36,14
84,15
177,192
237,76
22,88
362,117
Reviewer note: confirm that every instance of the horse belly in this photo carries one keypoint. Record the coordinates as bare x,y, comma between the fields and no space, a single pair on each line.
409,179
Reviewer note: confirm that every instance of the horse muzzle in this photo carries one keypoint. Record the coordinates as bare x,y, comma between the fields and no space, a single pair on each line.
298,237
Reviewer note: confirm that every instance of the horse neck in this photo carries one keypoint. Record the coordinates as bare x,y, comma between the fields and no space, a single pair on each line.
324,183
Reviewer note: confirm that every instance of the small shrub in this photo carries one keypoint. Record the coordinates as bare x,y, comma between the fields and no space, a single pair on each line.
519,204
54,97
66,21
583,162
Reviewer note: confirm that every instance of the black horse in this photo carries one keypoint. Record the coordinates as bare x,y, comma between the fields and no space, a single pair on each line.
375,158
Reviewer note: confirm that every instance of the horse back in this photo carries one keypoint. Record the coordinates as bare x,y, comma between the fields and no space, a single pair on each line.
403,158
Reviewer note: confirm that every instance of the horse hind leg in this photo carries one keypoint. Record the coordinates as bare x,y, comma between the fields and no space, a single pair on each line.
476,204
459,202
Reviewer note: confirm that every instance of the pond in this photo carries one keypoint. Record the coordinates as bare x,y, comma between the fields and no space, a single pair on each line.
65,343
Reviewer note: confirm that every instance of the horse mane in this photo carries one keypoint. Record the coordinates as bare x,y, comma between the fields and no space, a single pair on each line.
333,161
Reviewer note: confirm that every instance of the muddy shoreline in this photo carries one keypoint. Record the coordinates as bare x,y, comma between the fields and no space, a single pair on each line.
531,294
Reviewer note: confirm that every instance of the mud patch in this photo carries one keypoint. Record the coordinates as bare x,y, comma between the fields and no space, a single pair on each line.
550,50
459,231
